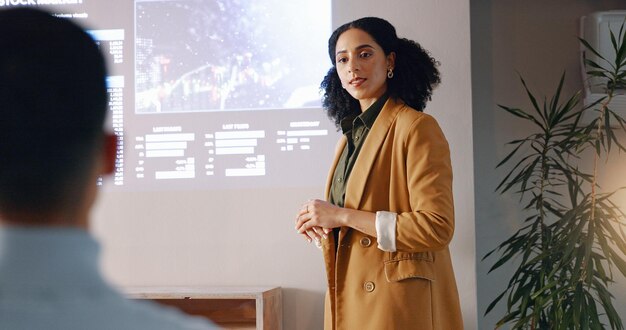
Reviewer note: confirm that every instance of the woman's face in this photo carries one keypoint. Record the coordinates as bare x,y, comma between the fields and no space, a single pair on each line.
362,66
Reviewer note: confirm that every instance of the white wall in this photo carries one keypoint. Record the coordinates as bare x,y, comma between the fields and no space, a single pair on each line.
210,238
538,40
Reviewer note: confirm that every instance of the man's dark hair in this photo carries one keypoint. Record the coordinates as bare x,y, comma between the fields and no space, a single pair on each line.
52,108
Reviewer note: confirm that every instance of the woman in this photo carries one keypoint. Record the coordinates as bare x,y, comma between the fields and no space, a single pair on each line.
389,218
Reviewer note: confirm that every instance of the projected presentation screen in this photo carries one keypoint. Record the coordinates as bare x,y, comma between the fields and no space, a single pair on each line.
209,94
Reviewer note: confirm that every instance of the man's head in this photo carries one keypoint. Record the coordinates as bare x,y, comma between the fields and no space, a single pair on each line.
52,108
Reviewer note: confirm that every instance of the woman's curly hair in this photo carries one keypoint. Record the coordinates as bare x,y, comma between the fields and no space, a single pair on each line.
415,72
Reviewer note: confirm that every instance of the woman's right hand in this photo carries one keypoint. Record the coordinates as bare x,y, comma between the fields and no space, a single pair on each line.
314,234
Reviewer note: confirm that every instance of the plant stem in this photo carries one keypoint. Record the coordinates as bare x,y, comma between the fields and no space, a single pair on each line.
542,216
594,179
599,136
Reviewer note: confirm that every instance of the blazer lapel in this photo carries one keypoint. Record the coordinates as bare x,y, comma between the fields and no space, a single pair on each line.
369,152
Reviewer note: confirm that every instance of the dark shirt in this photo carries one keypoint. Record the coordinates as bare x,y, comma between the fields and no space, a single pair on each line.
355,129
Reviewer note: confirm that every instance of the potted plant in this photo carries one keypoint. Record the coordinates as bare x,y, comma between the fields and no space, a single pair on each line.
572,243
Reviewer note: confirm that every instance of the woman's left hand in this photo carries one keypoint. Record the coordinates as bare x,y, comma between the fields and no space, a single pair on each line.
319,213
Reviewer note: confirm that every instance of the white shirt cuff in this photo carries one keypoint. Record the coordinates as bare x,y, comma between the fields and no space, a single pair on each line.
386,230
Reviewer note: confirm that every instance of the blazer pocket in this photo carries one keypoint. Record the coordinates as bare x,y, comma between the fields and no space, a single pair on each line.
401,269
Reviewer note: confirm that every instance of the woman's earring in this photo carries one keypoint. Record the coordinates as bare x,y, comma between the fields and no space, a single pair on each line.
390,73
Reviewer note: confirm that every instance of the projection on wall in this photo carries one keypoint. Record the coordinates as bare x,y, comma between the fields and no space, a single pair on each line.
208,94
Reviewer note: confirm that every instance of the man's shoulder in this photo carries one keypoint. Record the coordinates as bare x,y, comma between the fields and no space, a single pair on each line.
98,312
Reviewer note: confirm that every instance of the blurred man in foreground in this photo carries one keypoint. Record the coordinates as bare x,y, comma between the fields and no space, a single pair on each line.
53,147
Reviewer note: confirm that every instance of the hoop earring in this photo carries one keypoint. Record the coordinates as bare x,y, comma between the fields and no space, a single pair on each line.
390,73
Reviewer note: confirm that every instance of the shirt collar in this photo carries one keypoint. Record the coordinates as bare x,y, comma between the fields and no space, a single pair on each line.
368,117
365,118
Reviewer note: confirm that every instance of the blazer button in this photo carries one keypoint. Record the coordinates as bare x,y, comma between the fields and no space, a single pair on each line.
369,286
365,242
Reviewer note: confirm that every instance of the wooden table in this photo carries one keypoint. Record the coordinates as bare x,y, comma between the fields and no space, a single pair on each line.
229,307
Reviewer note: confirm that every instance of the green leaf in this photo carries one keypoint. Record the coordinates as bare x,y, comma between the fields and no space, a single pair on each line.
593,64
495,302
534,102
506,159
619,262
608,129
598,73
613,41
590,48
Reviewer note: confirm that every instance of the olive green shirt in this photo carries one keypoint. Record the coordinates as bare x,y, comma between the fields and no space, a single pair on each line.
355,129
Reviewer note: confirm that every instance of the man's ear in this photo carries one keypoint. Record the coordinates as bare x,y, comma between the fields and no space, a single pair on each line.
109,153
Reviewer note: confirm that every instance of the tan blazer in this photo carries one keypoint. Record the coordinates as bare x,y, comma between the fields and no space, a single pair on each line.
403,167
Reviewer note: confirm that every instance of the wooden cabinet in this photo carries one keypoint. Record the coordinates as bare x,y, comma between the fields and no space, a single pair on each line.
229,307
